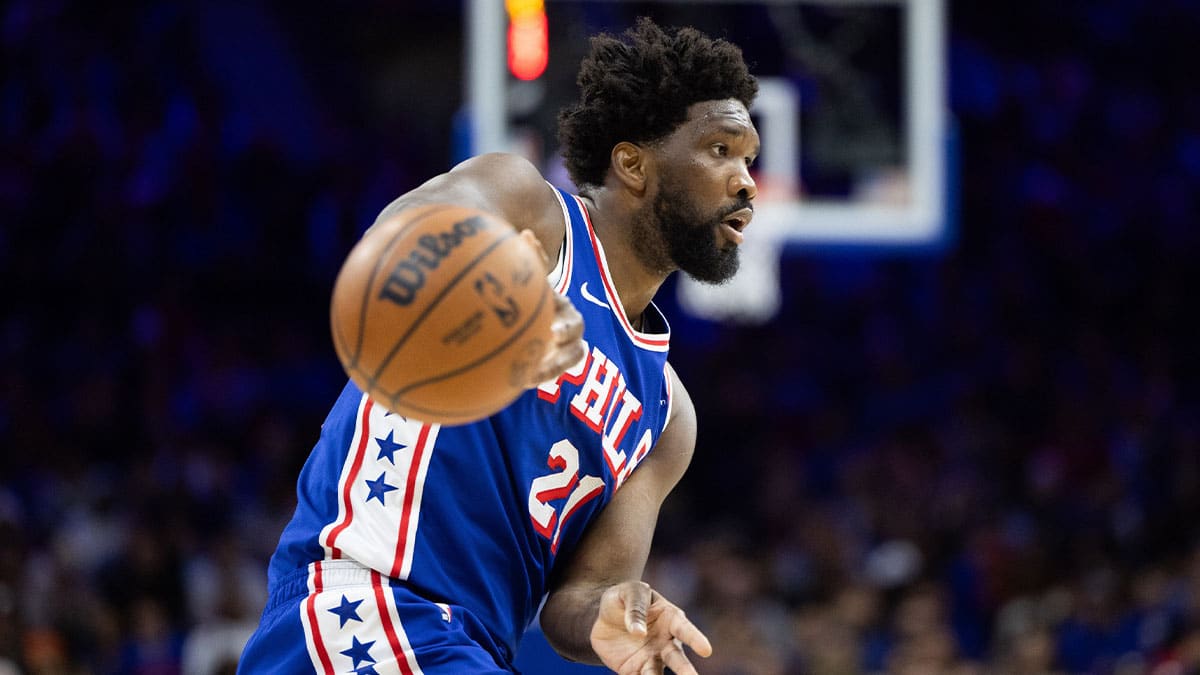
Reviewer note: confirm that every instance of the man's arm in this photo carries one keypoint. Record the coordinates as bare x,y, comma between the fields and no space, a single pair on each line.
503,184
512,188
599,610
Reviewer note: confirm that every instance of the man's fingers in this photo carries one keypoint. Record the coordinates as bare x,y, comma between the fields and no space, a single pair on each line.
531,239
559,359
656,633
636,597
687,633
566,348
653,666
568,322
674,658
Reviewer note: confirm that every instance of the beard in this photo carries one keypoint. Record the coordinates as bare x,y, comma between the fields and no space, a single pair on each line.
672,233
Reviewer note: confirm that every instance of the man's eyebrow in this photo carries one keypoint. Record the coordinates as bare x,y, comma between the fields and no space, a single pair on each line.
731,128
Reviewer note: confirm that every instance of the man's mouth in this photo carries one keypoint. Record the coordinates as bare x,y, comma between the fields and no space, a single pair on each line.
734,223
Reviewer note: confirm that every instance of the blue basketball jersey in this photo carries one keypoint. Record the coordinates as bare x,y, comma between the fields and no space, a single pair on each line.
475,517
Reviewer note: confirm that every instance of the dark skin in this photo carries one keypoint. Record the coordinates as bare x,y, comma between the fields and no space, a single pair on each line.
598,609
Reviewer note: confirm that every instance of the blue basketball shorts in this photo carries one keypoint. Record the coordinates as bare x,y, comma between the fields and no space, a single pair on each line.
336,616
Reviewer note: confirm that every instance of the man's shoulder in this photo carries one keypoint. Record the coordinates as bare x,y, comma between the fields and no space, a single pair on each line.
505,169
517,190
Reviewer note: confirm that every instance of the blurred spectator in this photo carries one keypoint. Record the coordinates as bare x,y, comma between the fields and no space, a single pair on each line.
226,592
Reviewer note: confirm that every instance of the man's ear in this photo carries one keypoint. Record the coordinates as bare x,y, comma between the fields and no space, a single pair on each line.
629,164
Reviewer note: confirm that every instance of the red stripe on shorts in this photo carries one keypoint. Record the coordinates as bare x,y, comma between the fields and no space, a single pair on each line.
312,620
385,618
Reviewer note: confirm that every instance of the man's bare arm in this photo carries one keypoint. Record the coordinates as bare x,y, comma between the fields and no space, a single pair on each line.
504,184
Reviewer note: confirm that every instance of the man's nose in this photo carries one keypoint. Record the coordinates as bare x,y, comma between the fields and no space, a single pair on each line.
742,184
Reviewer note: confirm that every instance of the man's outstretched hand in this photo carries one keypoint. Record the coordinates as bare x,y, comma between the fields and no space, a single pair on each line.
639,632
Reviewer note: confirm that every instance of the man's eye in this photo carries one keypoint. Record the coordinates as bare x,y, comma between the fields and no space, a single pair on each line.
721,149
750,161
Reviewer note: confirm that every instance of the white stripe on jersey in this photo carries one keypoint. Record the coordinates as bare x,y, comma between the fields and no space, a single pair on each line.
330,532
411,513
380,490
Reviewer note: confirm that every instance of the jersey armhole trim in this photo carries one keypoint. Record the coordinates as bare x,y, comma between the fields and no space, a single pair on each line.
670,385
560,276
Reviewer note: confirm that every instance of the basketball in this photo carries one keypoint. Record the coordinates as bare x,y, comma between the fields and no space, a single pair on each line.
441,313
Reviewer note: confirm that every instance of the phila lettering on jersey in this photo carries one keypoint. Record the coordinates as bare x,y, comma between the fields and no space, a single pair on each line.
596,391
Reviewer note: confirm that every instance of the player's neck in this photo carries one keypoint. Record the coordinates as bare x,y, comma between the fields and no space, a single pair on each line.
635,284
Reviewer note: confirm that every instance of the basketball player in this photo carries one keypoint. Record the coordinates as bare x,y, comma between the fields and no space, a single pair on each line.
424,549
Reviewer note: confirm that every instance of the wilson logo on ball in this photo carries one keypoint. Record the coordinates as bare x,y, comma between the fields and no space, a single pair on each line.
408,275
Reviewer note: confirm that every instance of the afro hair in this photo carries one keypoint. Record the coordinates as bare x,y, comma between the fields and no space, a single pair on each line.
639,90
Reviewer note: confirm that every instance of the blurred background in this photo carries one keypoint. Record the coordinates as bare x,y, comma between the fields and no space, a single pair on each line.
978,453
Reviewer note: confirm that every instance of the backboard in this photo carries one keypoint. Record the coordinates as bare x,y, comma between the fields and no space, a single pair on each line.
851,112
